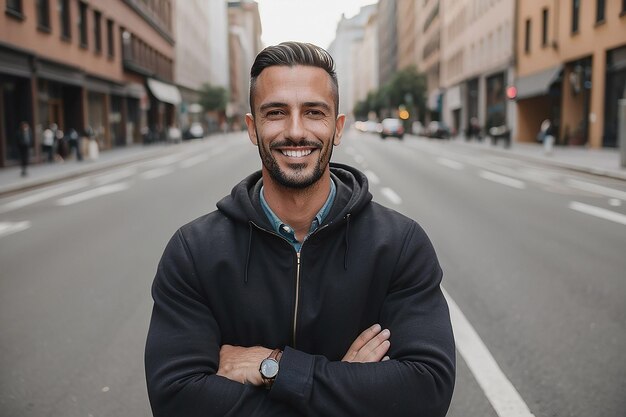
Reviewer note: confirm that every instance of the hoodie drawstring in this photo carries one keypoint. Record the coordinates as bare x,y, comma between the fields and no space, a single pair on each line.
347,241
245,279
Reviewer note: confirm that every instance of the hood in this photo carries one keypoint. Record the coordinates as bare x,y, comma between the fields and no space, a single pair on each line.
244,205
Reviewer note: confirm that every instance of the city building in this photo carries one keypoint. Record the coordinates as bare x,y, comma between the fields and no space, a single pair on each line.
571,69
100,68
407,33
477,63
201,57
428,55
388,39
244,43
344,48
365,60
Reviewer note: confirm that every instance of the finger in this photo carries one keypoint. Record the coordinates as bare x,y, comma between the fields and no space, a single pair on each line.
367,335
375,349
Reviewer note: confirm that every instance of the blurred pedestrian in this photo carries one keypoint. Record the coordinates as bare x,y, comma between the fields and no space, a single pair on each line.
73,141
60,145
299,295
24,140
47,142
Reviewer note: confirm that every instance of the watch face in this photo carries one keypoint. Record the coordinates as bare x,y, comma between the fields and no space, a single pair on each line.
269,368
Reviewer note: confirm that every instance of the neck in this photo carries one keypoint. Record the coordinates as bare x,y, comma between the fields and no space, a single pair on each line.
296,207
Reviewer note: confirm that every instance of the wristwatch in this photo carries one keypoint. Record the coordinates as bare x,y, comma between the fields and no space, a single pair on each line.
269,368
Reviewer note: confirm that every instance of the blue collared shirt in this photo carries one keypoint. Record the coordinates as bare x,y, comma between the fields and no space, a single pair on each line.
287,231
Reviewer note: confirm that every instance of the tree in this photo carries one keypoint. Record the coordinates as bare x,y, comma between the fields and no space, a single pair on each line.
213,98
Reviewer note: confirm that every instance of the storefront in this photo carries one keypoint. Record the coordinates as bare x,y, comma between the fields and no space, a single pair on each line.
495,101
615,91
164,98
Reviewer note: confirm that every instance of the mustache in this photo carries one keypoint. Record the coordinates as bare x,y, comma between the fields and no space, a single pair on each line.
290,143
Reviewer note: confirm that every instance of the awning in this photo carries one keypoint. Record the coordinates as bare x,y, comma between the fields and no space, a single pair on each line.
537,84
166,93
135,90
453,97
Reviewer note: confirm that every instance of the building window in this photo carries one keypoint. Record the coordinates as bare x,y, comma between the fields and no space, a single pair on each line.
544,33
64,17
110,41
575,15
97,30
600,10
82,24
527,36
14,8
43,15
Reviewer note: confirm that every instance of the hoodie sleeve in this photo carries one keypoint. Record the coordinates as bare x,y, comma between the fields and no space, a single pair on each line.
419,378
182,350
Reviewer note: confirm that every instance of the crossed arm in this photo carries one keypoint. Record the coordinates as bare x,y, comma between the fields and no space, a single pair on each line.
241,364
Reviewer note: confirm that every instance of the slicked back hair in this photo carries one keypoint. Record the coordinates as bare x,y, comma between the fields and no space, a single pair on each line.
290,54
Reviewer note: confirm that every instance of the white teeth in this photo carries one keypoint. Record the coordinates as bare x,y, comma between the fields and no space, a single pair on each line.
296,154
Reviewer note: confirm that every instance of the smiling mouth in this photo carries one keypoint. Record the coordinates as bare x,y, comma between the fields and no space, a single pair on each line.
296,153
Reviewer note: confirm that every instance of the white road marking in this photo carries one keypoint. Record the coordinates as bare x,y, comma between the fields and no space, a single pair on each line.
615,202
115,176
598,212
156,173
43,195
166,160
8,228
450,163
501,179
96,192
391,195
187,163
372,177
359,159
500,392
598,189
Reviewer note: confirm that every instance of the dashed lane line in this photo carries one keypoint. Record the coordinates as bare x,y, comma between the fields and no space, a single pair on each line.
43,195
597,189
450,163
372,177
156,173
598,212
8,228
187,163
500,392
93,193
116,175
391,195
501,179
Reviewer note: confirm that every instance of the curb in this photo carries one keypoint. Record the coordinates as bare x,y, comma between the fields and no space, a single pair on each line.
80,171
552,162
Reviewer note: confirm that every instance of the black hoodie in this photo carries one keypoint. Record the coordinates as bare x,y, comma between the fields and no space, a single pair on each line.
227,278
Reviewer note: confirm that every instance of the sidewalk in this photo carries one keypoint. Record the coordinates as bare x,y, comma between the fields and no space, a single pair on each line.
47,173
604,161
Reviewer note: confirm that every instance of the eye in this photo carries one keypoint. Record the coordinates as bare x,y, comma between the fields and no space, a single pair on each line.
274,113
316,113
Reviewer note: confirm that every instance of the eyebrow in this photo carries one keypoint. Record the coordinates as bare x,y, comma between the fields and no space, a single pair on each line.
308,104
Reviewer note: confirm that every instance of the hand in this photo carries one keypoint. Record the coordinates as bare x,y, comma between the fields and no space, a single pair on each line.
370,346
241,364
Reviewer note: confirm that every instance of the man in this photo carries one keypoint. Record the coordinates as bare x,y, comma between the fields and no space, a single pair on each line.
299,295
24,140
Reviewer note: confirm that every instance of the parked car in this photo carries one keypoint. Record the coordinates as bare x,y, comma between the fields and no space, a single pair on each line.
195,131
417,128
368,126
437,129
392,127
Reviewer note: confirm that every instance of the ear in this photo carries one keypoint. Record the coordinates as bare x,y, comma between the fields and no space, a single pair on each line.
339,124
251,129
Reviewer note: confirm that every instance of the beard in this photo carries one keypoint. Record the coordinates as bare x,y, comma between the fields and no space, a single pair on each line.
297,176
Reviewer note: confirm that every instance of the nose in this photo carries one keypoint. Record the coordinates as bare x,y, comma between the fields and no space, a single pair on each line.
295,128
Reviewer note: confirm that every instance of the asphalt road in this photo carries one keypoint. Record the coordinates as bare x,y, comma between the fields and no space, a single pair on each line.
534,258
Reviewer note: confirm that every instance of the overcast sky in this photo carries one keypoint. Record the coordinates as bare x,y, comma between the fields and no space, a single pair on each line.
312,21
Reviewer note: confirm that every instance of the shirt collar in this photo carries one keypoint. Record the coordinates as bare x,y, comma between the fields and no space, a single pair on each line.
287,231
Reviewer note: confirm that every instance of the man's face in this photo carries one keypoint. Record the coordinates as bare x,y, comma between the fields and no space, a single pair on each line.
294,124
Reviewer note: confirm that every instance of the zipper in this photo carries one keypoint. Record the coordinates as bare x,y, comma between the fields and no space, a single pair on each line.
296,304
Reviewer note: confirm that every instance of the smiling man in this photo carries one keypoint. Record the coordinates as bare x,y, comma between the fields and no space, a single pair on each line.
299,295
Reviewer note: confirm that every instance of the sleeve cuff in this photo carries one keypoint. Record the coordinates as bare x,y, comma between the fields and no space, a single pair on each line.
294,381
